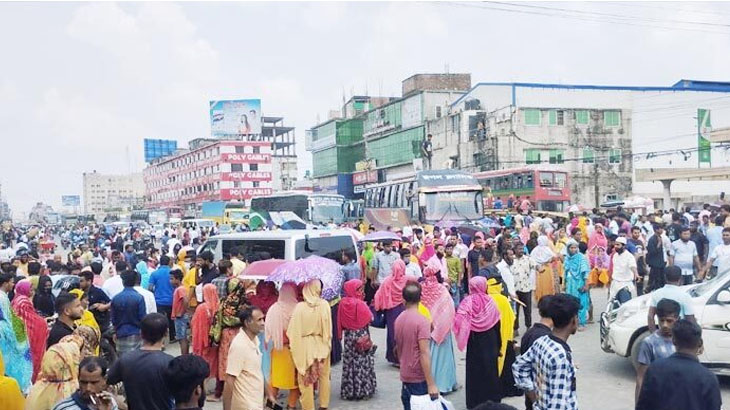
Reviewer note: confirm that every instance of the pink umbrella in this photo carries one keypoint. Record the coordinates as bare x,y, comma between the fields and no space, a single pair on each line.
312,267
261,269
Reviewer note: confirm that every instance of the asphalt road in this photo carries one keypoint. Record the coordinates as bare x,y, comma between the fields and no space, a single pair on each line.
605,381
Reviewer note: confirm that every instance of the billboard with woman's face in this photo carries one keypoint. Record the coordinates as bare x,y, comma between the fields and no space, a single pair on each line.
235,117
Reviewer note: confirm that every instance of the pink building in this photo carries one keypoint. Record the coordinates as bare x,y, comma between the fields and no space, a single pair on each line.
210,170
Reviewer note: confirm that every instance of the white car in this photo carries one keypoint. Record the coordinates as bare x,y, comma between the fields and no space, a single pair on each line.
623,329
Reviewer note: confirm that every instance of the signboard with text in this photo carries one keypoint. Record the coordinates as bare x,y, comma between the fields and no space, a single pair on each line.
235,117
246,176
228,194
364,177
247,158
704,129
70,200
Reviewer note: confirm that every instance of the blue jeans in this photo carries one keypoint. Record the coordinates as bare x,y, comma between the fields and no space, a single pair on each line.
412,389
455,293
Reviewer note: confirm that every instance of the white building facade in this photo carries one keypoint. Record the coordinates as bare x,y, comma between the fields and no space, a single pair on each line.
105,193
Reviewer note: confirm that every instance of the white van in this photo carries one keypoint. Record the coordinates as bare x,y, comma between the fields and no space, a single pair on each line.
197,223
284,244
623,329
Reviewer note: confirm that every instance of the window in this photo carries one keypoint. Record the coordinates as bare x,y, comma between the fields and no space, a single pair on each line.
253,167
256,150
588,156
256,184
561,117
560,180
581,117
236,167
546,179
239,149
531,116
614,156
532,156
556,117
438,111
611,118
556,156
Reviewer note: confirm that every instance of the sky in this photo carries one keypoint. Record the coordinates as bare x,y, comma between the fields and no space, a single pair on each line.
82,84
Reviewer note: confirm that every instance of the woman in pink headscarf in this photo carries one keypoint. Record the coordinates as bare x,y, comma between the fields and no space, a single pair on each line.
435,296
35,326
389,298
476,327
597,256
429,250
283,373
200,324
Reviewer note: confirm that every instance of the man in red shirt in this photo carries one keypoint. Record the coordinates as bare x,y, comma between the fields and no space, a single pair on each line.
412,339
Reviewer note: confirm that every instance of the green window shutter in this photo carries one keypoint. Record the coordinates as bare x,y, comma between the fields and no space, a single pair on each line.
531,116
612,118
553,117
581,117
532,156
556,156
588,156
614,156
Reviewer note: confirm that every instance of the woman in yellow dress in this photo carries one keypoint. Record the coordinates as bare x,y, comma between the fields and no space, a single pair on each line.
543,256
10,396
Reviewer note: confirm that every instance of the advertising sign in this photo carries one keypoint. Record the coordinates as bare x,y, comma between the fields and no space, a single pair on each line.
235,117
70,200
364,177
704,129
155,148
246,176
247,158
411,112
228,194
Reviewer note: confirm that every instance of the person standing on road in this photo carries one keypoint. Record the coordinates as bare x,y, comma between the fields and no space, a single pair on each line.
160,284
128,309
185,376
524,270
681,381
624,269
540,329
69,310
720,255
683,254
358,360
656,258
672,291
477,329
142,370
576,280
91,393
389,298
657,345
283,372
413,336
545,371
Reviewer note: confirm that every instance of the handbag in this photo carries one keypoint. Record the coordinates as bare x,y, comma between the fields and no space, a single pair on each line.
378,319
363,344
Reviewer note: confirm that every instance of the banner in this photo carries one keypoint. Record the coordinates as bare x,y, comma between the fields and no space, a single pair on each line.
247,158
246,176
364,177
235,117
704,128
70,200
228,194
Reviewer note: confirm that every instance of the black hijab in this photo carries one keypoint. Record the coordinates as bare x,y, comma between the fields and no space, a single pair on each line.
43,301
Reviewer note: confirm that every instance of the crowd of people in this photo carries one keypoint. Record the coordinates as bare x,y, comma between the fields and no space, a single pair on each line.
98,342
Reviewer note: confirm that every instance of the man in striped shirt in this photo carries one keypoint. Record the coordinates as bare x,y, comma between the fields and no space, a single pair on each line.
91,393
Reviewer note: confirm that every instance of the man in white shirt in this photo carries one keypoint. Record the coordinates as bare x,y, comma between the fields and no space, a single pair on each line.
113,286
149,297
720,255
504,266
624,269
412,269
683,254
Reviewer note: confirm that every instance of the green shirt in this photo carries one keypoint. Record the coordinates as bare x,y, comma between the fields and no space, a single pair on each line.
454,266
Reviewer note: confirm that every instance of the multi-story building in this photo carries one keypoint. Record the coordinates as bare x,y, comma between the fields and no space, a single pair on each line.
209,170
284,155
384,133
105,194
598,134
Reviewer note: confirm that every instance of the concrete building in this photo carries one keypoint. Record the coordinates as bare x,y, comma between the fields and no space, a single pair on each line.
209,170
599,134
380,135
111,194
283,154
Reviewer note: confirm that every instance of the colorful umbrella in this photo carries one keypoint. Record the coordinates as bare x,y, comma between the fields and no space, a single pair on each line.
261,269
312,267
381,236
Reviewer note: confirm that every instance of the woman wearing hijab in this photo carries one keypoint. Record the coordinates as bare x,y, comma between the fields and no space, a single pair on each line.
14,345
532,242
476,330
597,257
310,334
11,398
283,374
506,318
265,296
576,280
436,298
543,256
227,325
35,326
43,300
59,375
389,298
200,324
429,251
358,364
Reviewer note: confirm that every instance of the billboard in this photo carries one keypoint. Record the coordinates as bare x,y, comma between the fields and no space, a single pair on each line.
235,117
155,148
704,129
70,200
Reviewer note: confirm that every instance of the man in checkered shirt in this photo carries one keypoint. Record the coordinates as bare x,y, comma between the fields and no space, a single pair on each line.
545,372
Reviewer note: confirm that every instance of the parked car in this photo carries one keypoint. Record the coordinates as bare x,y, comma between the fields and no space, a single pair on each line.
623,329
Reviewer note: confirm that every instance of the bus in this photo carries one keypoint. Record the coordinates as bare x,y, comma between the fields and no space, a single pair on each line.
446,196
547,189
314,208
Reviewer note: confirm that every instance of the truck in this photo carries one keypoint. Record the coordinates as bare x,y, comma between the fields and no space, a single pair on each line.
225,213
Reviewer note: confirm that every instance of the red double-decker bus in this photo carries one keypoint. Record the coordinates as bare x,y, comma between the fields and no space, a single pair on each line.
547,189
